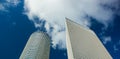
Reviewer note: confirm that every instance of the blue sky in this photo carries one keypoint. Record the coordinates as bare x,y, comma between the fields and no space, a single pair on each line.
16,27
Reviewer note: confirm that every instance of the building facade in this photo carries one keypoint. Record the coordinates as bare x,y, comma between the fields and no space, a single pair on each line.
37,47
82,43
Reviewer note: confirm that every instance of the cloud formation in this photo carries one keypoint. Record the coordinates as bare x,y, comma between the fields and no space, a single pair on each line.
2,8
8,3
13,2
106,39
55,11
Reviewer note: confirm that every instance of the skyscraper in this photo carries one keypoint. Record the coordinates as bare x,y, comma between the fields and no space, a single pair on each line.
82,43
37,47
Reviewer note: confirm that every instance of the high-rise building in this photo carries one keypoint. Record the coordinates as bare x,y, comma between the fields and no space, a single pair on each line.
82,43
37,47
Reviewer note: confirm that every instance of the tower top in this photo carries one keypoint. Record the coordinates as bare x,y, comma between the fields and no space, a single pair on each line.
37,47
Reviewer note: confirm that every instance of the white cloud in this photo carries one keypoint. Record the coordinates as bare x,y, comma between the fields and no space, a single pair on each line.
115,48
55,11
58,38
106,39
13,2
2,8
8,3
